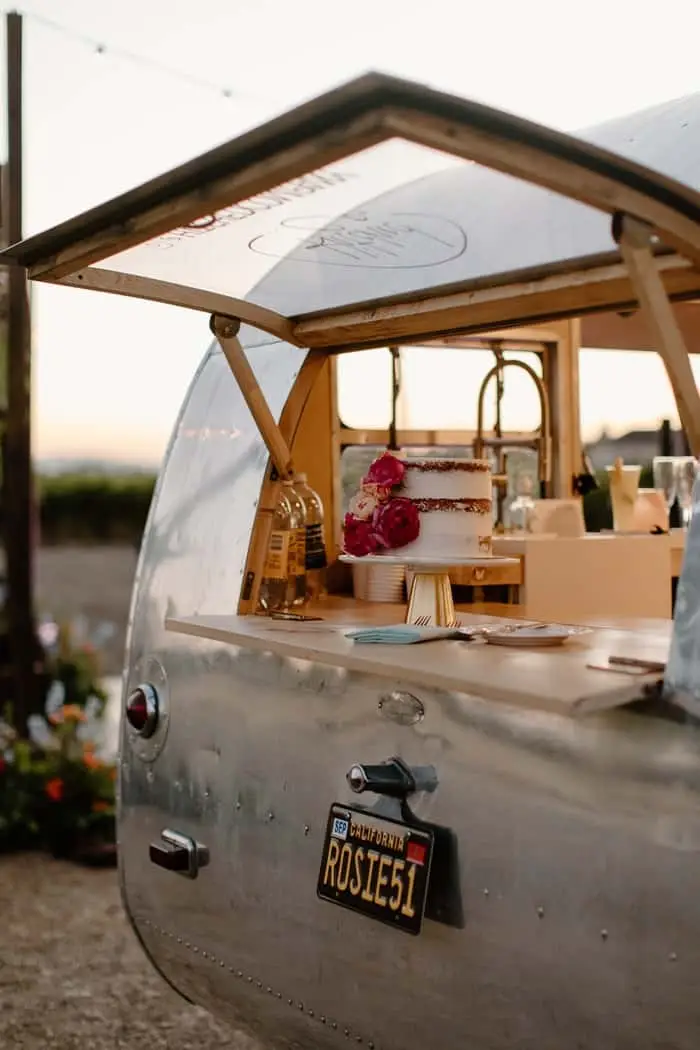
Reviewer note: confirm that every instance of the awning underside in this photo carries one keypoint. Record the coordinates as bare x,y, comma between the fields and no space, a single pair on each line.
359,218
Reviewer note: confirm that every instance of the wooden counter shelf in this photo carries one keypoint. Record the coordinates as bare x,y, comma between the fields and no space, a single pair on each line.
551,679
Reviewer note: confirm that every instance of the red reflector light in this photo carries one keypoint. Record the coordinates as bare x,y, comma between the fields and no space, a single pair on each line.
142,710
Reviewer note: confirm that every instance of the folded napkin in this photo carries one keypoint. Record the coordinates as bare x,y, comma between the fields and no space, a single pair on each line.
401,634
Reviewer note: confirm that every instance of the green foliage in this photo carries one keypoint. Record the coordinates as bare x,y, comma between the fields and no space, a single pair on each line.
55,793
94,508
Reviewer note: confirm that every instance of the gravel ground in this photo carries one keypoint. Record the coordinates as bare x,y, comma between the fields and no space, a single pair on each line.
73,976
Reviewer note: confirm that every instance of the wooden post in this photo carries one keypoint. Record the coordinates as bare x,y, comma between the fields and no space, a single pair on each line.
635,245
17,466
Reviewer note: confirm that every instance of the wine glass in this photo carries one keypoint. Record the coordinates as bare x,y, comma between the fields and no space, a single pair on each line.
666,478
686,473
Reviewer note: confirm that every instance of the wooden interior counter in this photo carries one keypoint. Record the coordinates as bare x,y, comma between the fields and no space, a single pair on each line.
598,574
552,679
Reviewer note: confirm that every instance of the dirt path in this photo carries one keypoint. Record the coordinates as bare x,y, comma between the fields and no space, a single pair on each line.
72,975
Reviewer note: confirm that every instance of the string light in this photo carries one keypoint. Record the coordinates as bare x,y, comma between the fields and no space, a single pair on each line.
100,48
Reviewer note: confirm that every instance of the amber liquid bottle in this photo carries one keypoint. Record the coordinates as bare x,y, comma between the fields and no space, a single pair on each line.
315,557
274,582
296,568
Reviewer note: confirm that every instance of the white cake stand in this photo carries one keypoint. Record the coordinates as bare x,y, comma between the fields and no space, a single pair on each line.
430,599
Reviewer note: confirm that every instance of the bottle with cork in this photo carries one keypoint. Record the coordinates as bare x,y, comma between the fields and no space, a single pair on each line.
316,558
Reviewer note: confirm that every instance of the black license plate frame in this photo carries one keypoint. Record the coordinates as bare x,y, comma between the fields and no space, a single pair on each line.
376,866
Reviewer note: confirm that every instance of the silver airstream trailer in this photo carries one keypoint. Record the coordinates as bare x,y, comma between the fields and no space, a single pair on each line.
551,806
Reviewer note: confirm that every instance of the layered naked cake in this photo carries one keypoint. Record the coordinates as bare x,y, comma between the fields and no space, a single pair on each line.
453,500
432,508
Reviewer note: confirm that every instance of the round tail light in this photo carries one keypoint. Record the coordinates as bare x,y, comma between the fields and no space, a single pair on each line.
142,710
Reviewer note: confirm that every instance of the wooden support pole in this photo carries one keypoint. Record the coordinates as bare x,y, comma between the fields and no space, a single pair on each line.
635,242
226,331
17,467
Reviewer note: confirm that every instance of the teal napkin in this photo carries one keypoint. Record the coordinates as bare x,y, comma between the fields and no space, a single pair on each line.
400,634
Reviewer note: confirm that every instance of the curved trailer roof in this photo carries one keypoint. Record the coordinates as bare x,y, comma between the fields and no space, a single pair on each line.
357,218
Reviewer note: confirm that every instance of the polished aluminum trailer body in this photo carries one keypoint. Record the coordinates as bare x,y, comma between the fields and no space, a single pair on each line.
578,841
575,915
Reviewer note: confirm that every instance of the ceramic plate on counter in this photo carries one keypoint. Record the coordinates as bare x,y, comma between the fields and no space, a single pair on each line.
534,637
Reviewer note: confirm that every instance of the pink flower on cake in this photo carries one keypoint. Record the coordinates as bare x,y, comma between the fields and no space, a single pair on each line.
387,471
363,505
359,538
396,523
381,493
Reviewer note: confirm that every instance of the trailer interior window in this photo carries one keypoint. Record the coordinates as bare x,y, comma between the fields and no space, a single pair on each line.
436,404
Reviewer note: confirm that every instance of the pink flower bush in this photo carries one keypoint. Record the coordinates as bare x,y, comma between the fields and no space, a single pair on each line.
377,517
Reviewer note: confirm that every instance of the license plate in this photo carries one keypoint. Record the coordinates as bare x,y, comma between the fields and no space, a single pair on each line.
377,867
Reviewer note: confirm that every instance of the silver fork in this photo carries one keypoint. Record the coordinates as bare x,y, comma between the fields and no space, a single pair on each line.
425,621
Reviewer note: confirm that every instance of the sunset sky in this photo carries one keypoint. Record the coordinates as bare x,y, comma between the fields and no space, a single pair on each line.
110,373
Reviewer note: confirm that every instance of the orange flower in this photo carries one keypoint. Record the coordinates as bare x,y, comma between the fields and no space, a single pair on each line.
73,713
100,807
90,760
67,713
54,789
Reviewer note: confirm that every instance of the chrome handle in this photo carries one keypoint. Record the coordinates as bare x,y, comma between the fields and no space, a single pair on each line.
179,853
393,778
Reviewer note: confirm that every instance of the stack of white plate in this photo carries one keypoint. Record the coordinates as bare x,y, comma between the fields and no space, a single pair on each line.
378,583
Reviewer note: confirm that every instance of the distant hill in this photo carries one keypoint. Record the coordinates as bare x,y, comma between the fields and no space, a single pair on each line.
52,467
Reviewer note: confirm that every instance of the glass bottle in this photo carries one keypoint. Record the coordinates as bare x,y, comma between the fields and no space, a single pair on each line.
296,570
316,557
273,585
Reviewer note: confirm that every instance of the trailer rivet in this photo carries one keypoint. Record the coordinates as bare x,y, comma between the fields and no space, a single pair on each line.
259,984
673,957
322,1018
238,805
486,893
307,829
270,815
250,980
540,912
604,934
269,991
311,1013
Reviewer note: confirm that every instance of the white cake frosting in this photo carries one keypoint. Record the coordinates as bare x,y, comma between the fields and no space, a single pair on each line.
454,500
